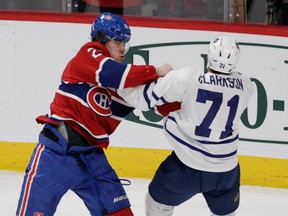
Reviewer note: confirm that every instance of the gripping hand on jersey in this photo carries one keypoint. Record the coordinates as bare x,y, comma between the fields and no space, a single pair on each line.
164,69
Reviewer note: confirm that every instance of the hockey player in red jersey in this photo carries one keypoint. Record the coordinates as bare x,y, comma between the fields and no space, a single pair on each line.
86,109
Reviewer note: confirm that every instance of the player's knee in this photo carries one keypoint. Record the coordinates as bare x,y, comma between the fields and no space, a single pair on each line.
122,212
154,208
231,214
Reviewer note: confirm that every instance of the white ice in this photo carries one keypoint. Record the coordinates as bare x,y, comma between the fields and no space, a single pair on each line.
255,201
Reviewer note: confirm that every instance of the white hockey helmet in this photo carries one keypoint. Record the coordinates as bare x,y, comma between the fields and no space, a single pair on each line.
223,54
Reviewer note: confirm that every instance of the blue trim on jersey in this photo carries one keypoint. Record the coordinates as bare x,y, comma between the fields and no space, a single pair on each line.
80,89
210,142
111,69
163,100
217,143
193,147
157,98
145,95
120,110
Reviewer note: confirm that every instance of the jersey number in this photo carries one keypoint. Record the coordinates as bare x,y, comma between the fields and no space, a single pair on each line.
217,99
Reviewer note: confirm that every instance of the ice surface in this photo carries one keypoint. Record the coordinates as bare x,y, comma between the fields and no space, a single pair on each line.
255,201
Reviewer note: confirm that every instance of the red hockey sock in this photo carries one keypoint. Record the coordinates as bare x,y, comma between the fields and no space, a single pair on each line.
122,212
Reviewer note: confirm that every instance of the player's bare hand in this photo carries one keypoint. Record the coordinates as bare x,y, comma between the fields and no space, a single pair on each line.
164,69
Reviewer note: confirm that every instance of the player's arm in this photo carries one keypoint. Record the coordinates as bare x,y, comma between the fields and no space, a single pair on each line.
163,96
172,87
120,76
165,109
140,98
93,65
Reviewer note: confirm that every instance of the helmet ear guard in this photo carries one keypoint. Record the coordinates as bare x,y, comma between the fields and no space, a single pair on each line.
112,27
223,54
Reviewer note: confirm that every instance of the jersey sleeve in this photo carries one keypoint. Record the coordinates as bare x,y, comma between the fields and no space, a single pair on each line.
165,90
93,64
163,95
165,109
172,87
138,97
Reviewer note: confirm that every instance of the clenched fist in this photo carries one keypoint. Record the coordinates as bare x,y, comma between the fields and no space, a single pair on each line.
164,69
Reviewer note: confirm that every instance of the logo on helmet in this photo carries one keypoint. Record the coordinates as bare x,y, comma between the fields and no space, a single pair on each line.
126,26
112,26
108,17
237,45
216,40
223,54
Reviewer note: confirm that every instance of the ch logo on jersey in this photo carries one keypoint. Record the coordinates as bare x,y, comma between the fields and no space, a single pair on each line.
99,100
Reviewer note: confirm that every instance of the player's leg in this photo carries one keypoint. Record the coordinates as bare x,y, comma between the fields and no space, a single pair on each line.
41,191
173,184
48,175
154,208
123,212
104,192
224,199
88,192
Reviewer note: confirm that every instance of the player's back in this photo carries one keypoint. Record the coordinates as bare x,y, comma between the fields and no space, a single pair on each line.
213,104
206,126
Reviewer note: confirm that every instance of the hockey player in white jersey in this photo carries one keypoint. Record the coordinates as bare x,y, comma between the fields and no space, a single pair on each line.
204,133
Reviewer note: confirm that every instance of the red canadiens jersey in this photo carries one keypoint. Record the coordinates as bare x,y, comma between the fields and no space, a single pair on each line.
86,99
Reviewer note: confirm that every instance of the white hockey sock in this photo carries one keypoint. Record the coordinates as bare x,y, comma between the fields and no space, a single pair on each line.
154,208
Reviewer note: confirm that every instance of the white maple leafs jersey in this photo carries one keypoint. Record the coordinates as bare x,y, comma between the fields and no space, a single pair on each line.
204,133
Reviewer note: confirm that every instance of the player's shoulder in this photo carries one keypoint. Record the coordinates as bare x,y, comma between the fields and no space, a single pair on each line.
94,48
186,73
246,80
239,75
187,69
